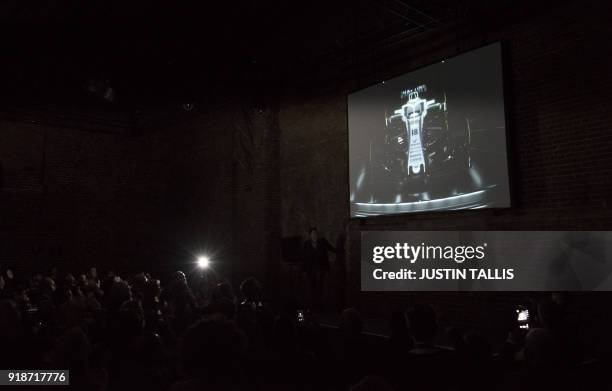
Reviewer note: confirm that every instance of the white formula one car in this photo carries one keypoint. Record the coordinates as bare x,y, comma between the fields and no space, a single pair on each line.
413,114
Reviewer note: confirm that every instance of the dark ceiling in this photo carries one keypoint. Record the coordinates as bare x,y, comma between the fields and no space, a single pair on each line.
159,52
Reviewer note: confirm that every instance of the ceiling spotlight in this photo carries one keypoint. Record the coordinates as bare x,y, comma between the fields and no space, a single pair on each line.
203,262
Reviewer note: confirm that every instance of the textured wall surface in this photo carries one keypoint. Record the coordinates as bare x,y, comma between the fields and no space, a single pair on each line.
61,193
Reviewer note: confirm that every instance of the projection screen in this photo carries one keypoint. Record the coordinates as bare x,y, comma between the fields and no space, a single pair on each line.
433,139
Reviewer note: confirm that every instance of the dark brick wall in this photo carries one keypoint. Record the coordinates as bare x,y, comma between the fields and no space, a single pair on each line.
75,197
60,193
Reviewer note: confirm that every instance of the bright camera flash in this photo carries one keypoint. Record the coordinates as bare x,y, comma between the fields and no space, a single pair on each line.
203,262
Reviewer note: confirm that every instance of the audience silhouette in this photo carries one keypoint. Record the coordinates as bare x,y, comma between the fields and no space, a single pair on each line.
139,333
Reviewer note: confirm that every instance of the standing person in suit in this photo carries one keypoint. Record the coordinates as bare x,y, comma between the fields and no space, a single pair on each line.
316,265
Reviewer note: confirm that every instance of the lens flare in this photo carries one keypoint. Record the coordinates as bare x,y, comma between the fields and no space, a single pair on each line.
203,262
